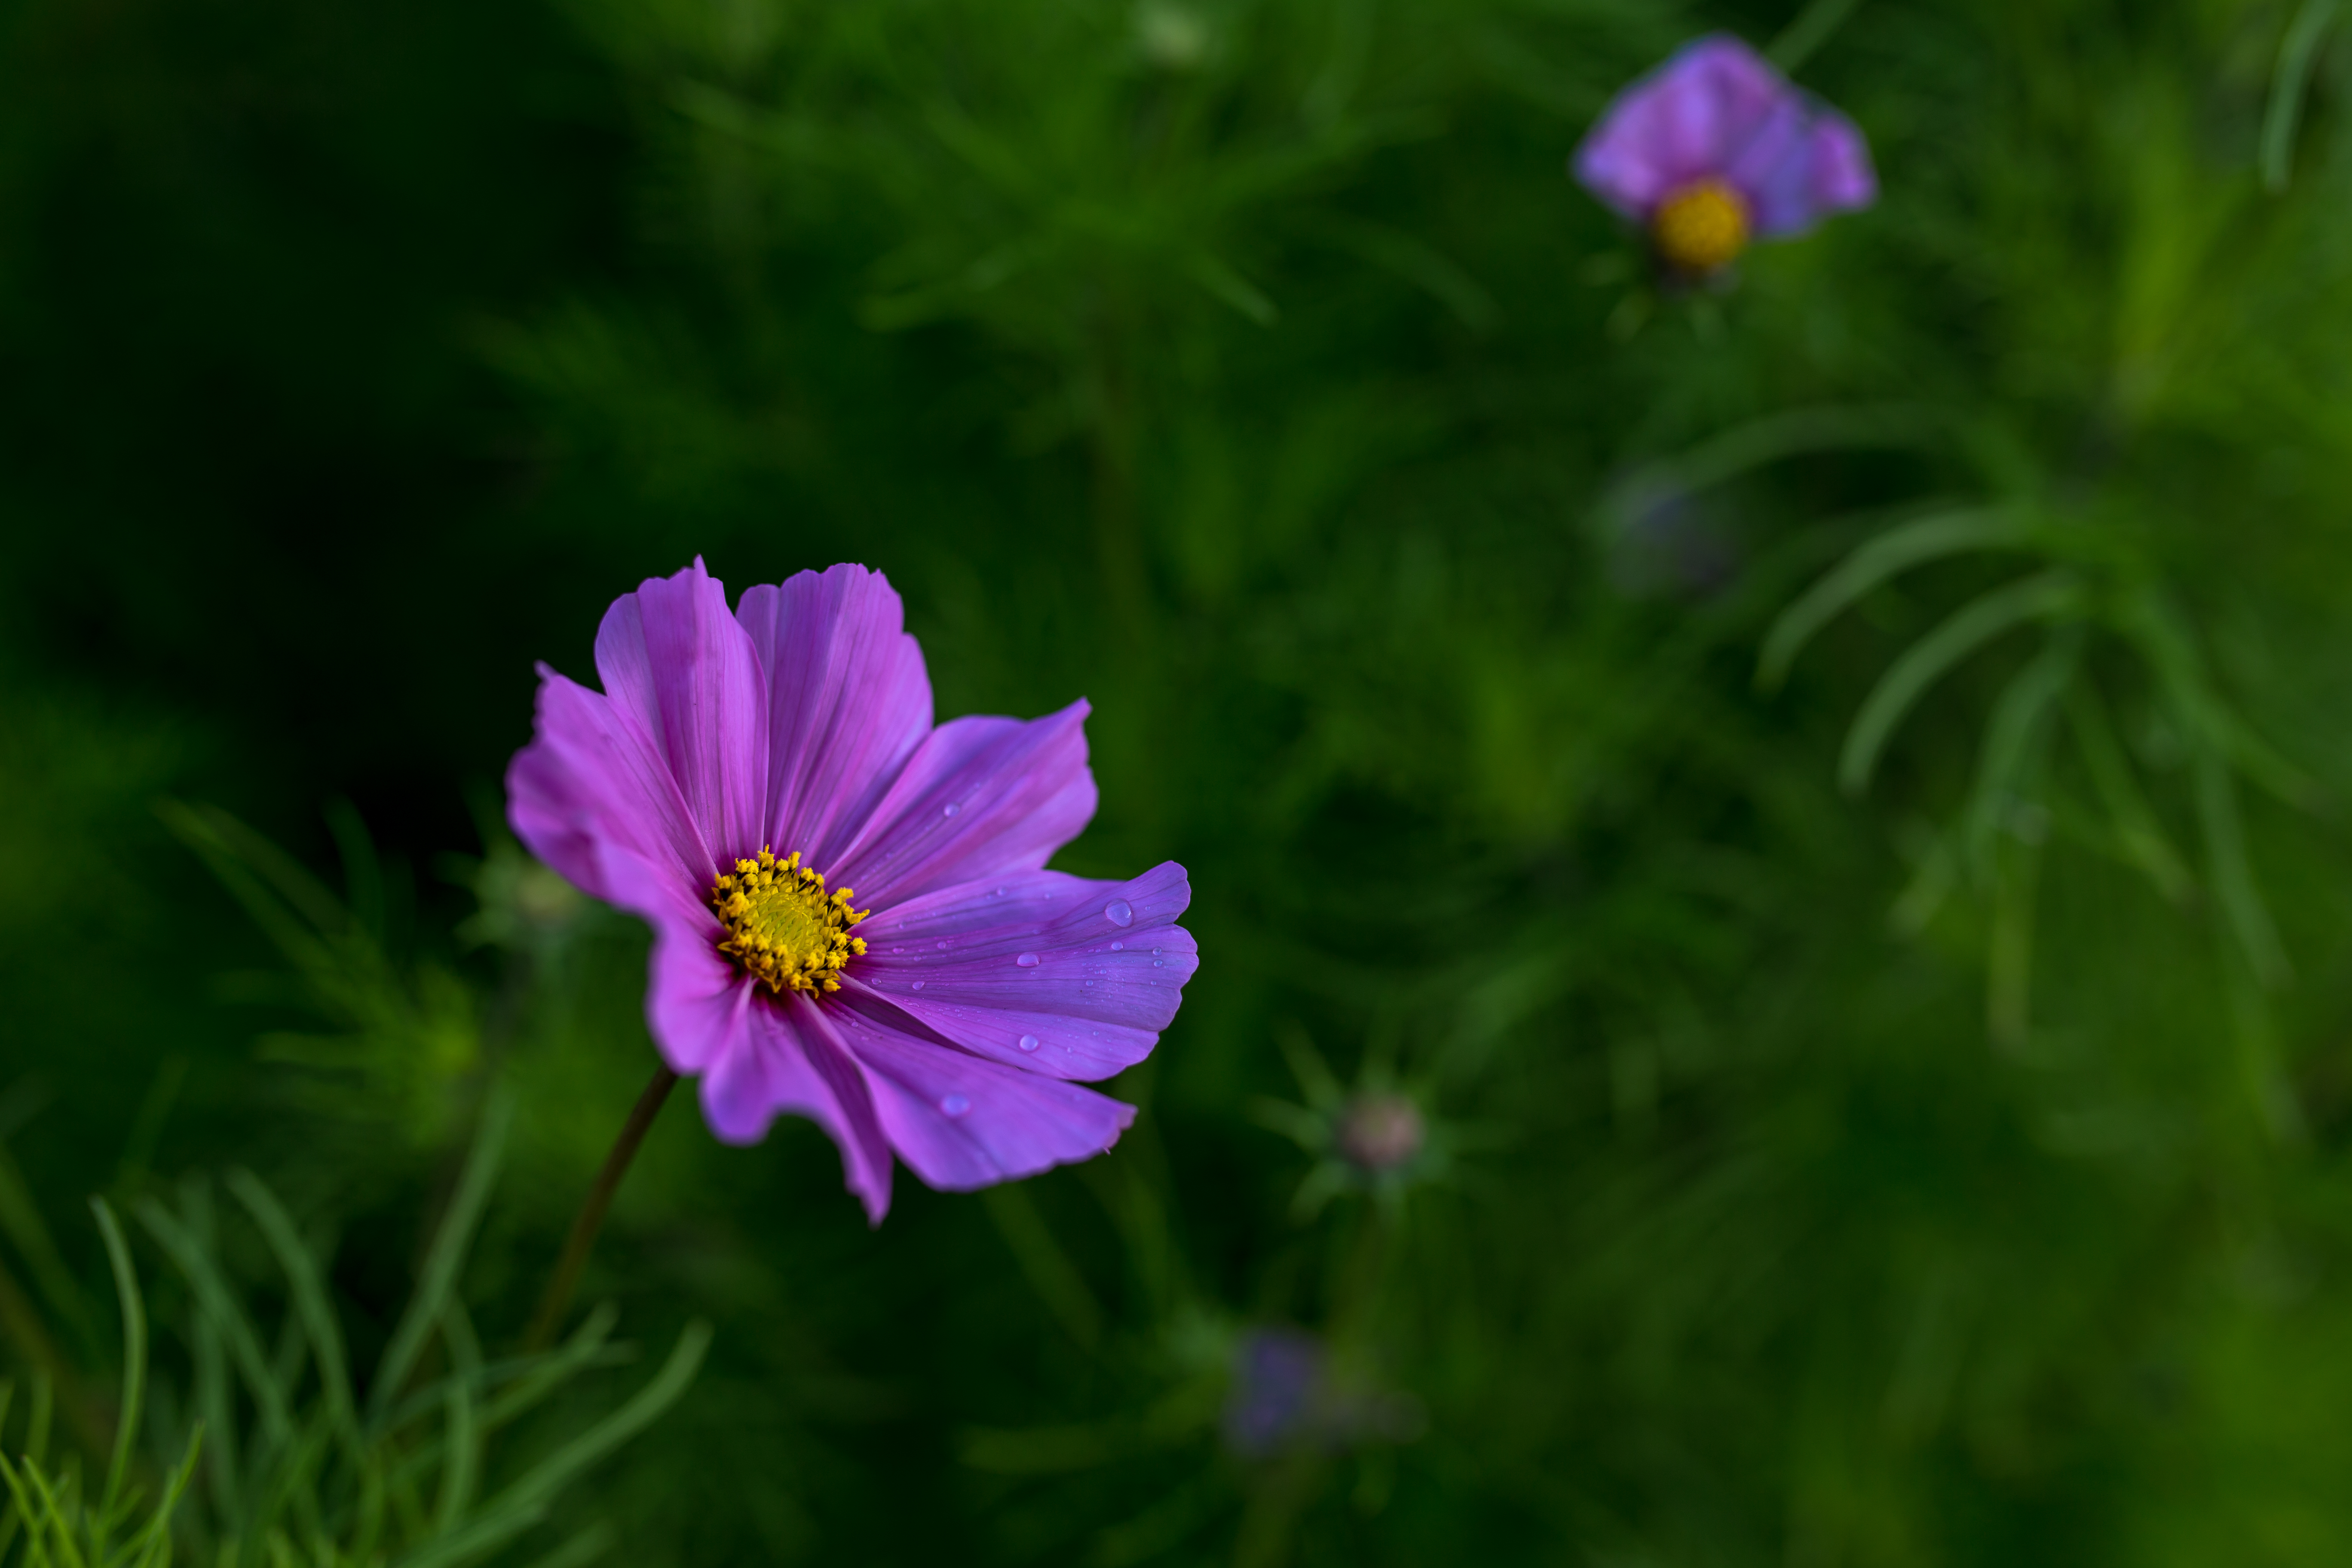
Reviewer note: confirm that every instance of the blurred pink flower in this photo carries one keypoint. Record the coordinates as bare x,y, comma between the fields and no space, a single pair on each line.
1715,148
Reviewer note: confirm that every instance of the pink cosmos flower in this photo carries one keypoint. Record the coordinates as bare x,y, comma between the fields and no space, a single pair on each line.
1714,148
741,773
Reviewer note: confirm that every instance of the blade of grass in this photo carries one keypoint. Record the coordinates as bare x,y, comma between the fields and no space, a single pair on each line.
550,1474
2233,877
444,1256
461,1469
1896,550
2044,597
213,1297
2137,827
2289,84
317,1314
522,1503
135,1364
2013,741
1810,30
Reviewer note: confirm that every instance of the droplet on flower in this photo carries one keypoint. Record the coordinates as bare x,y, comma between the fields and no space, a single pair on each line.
1119,912
943,947
1027,961
1156,952
1028,1042
950,809
919,986
955,1105
1117,947
1159,963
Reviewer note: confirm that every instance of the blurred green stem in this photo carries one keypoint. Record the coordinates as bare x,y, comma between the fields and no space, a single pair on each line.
591,1218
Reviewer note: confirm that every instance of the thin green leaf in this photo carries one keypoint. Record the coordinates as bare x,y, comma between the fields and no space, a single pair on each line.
215,1298
446,1255
223,1469
2008,956
462,1468
543,1480
1809,32
2044,597
522,1504
2163,635
1829,428
2014,743
2289,84
1898,550
581,1348
311,1303
20,1217
154,1545
2137,830
2233,876
134,1356
1045,1264
1224,283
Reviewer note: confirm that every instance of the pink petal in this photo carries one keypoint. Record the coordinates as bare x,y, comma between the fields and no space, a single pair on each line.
680,666
848,703
981,797
961,1123
1774,171
1842,178
590,778
1084,1011
791,1061
696,1000
1683,122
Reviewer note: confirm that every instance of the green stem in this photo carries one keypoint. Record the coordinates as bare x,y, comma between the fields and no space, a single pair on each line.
591,1218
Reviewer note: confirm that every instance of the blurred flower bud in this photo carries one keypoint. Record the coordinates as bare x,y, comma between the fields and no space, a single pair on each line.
1379,1133
1286,1394
1278,1391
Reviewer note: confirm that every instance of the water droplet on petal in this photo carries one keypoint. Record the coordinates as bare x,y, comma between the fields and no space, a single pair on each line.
1028,1042
943,947
1155,952
1117,947
897,950
1156,964
1027,961
955,1105
919,986
1119,912
950,809
999,892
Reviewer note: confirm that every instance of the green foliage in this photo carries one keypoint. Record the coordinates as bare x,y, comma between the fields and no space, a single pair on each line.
1826,793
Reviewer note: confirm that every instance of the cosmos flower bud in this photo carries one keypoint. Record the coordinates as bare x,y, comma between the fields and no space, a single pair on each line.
1717,149
1379,1133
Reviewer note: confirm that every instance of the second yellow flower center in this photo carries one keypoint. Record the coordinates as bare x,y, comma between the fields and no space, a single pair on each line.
784,930
1701,227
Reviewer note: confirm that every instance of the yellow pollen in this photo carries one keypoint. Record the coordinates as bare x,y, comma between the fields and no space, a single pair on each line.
784,930
1701,227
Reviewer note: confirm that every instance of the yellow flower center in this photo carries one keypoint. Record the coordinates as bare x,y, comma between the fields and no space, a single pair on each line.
1701,227
784,930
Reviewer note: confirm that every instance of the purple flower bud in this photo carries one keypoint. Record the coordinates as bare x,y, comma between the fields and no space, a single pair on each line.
1278,1391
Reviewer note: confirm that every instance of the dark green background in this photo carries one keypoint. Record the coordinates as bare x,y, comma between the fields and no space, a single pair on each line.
1282,396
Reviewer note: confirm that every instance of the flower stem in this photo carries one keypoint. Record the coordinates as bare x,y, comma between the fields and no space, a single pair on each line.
591,1218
